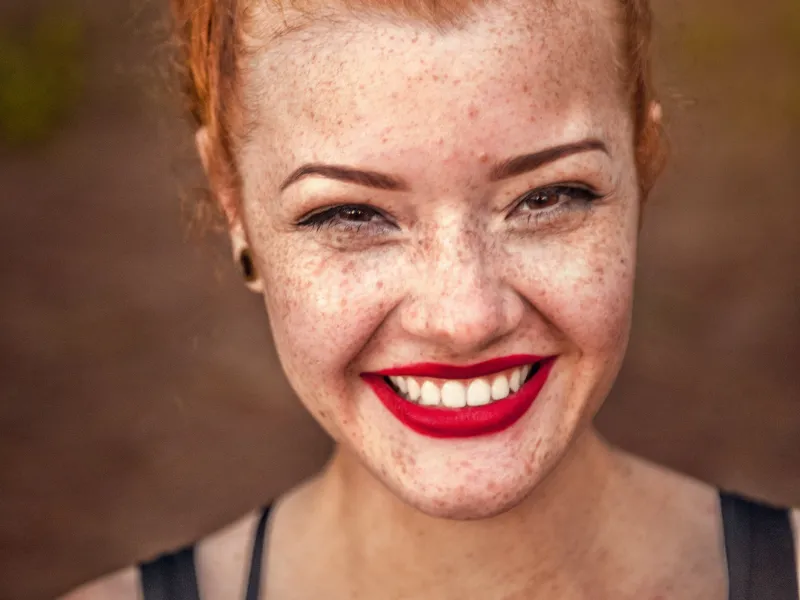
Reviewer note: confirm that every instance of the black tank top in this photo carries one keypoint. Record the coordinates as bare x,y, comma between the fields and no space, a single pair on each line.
759,547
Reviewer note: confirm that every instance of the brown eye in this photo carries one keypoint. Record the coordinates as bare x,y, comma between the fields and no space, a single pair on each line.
546,198
356,214
557,195
348,217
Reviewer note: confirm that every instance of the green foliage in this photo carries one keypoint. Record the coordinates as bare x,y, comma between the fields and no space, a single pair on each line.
41,76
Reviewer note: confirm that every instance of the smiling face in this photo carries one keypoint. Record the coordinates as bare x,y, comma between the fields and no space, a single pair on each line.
417,196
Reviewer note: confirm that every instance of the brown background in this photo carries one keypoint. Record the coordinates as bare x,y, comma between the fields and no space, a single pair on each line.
140,400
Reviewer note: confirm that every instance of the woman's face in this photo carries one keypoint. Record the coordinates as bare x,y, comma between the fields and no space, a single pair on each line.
419,201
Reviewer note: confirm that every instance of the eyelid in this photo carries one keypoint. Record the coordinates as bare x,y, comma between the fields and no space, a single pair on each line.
330,216
569,185
592,195
332,208
327,216
585,200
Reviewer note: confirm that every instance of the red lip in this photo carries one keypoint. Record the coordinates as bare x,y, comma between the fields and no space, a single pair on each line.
439,371
463,422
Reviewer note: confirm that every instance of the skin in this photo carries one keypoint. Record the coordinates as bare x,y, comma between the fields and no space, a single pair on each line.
453,268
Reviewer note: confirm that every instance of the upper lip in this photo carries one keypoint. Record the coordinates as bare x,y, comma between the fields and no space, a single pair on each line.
442,371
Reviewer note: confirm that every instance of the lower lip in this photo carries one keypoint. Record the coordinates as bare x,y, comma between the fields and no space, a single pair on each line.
471,421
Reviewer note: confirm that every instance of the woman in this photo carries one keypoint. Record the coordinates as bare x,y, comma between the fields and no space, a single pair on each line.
440,204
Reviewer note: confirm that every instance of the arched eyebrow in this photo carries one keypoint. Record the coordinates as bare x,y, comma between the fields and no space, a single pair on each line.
530,162
371,179
504,170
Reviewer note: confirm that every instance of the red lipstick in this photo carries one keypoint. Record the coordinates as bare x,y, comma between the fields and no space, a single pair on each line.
470,421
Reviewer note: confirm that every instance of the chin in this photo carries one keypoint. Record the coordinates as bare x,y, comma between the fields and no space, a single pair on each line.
468,488
473,509
475,501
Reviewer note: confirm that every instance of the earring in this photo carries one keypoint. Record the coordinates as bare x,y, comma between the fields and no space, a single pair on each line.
246,263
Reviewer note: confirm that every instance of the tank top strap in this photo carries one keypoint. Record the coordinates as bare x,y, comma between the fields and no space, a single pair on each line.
170,577
759,547
257,556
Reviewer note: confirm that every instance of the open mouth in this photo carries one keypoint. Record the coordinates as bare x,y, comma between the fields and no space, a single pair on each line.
456,393
458,402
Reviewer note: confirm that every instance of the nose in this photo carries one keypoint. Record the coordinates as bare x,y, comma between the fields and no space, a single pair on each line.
458,300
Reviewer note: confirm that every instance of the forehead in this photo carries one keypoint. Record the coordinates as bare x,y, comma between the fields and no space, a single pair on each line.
353,87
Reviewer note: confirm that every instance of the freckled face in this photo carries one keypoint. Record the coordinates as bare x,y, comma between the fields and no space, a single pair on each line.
450,259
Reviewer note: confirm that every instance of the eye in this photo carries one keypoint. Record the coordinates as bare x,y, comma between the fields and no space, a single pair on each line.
552,202
348,217
356,214
548,197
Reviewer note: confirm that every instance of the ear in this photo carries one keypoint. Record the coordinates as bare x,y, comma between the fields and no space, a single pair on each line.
245,258
215,173
226,196
656,112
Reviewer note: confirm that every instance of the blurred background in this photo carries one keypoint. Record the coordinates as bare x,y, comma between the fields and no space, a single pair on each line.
141,404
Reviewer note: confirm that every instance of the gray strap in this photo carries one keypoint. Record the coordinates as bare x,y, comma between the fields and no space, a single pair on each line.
170,577
174,577
257,557
760,550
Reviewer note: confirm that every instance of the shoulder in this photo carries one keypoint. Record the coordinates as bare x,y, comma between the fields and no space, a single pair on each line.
122,585
222,559
221,562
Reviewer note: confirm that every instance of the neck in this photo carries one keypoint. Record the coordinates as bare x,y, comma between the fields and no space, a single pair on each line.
559,536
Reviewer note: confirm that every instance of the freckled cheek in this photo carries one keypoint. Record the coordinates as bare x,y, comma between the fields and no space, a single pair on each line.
601,315
587,296
610,310
323,311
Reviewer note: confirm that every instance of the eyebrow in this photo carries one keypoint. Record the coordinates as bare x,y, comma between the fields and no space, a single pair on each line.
530,162
348,175
503,170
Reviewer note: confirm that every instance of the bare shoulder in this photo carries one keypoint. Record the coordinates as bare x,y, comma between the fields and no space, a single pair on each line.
122,585
221,561
684,515
664,485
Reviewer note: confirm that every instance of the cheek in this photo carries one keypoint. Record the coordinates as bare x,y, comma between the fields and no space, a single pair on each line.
323,307
601,320
583,286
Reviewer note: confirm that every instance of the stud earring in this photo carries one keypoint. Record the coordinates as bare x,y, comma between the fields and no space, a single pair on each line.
246,263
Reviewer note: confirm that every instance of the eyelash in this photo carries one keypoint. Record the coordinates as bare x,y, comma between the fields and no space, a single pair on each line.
577,197
333,217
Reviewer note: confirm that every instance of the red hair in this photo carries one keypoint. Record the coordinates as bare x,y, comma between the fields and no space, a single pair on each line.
207,35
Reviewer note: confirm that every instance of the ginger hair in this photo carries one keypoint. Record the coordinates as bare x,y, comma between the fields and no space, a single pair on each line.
208,37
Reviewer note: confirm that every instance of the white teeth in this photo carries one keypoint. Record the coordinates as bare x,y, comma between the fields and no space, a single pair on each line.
514,382
454,395
479,393
413,389
500,388
430,394
459,393
401,384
